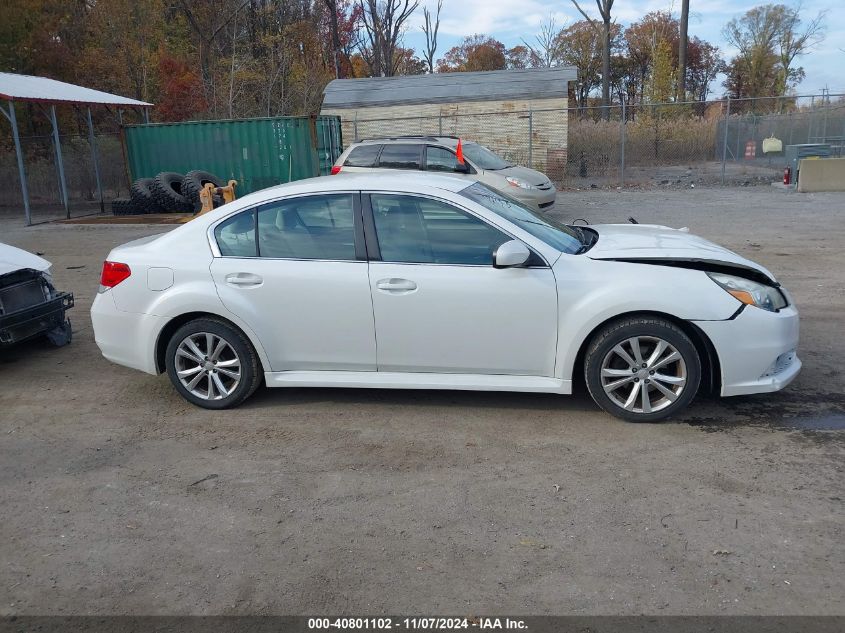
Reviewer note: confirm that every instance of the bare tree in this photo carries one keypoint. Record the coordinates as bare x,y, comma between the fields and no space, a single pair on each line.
430,29
682,51
207,33
383,22
793,41
331,5
604,7
546,52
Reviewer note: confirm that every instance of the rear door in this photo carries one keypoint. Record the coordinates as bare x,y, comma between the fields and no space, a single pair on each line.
439,304
295,271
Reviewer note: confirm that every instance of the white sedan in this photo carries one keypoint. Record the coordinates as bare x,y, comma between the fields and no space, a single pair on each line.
418,281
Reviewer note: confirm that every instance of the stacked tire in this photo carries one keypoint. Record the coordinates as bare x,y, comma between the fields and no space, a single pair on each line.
123,206
168,192
141,194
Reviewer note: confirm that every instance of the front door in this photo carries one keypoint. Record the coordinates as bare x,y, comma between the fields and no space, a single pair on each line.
439,304
295,271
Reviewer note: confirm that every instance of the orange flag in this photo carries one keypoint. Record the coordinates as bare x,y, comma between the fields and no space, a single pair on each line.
459,153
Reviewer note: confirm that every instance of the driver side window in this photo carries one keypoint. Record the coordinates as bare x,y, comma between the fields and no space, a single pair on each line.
418,230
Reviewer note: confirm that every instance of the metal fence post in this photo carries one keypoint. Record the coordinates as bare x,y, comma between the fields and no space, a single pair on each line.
59,163
725,139
440,123
355,127
622,125
530,138
93,143
810,119
19,154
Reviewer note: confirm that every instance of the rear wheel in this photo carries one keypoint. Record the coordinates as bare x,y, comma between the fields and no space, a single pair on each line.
642,369
212,364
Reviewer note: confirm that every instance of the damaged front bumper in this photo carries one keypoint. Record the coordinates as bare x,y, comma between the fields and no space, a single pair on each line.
30,306
756,350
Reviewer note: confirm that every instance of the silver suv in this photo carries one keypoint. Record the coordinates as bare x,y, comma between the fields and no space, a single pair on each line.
438,153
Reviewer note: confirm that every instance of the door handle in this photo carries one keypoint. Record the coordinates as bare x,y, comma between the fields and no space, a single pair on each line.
396,286
244,280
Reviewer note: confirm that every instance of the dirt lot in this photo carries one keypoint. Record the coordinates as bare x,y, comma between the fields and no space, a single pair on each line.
119,497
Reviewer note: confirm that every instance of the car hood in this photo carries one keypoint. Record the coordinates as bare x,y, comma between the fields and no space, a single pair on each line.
654,244
530,176
12,259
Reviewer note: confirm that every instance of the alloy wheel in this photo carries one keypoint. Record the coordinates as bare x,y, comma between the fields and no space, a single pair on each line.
207,366
643,374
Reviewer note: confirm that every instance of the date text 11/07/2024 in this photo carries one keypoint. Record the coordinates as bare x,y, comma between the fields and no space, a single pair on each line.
417,623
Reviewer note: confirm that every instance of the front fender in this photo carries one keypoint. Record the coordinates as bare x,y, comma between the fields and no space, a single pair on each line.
592,292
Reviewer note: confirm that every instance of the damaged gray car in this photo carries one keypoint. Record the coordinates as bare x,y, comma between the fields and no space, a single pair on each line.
30,306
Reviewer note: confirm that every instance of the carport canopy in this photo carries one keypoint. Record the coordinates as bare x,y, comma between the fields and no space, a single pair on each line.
45,91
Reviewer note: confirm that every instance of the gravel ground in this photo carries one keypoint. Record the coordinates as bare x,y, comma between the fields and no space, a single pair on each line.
119,497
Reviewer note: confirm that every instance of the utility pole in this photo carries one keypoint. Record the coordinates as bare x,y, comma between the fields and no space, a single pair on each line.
682,52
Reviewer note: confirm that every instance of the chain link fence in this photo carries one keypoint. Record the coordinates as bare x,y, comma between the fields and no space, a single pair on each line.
708,142
43,179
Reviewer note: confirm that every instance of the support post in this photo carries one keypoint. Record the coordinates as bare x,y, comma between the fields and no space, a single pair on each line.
355,127
530,138
59,163
725,139
19,153
622,142
147,115
95,161
440,123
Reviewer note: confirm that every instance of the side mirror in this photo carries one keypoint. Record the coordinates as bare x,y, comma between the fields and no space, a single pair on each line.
462,168
510,254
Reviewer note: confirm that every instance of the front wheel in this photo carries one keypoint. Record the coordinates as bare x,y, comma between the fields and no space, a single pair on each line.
212,364
642,369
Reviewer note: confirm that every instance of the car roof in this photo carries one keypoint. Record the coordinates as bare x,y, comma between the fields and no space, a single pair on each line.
380,180
393,180
448,141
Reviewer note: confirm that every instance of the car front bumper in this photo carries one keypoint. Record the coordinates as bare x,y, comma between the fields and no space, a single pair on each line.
538,199
34,320
756,350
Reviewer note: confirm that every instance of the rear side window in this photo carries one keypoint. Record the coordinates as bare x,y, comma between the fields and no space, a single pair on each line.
236,236
363,156
440,159
310,227
400,156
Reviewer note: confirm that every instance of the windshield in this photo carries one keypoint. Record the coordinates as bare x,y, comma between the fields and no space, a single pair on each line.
483,158
556,234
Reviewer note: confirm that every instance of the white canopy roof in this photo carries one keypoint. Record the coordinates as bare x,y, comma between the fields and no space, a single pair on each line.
28,88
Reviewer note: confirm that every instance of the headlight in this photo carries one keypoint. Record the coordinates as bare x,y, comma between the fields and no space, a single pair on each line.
751,292
516,182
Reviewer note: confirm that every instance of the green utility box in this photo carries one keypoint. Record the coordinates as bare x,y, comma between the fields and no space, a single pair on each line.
258,153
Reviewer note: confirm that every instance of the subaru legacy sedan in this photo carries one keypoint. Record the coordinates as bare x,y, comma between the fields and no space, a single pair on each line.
424,281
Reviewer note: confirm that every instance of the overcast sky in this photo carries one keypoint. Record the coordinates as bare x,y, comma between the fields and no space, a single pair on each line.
511,20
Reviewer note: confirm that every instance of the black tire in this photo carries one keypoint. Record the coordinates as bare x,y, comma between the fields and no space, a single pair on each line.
250,367
124,206
193,183
167,191
141,194
650,331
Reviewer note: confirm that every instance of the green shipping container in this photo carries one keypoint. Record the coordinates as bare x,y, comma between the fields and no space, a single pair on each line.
258,153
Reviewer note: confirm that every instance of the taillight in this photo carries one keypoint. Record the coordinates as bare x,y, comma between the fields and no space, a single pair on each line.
335,170
113,274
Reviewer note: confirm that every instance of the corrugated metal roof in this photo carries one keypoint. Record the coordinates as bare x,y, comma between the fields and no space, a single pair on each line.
494,85
28,88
